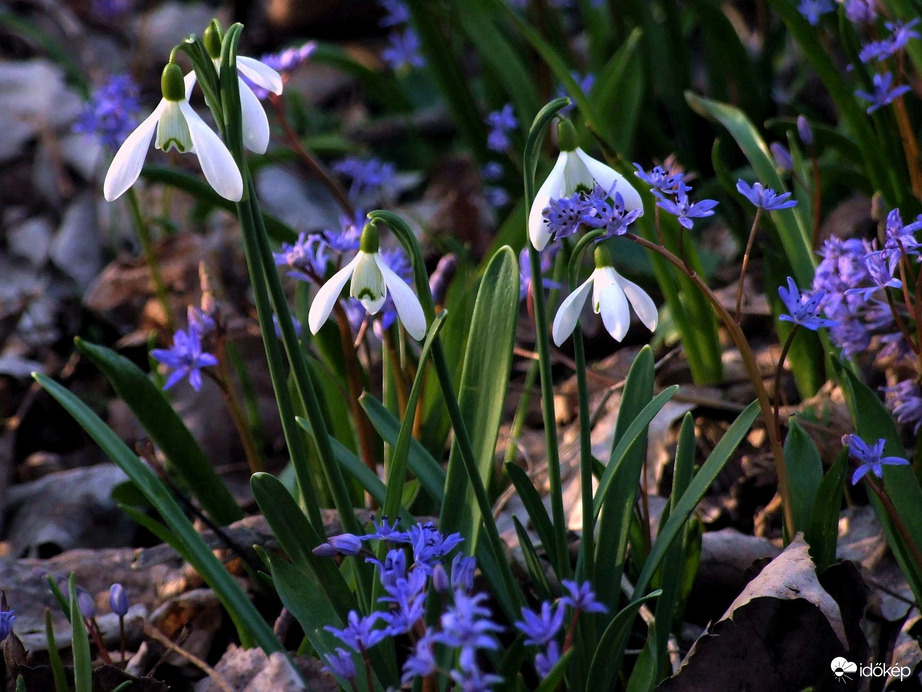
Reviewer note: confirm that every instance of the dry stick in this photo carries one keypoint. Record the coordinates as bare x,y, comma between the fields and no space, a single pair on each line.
752,368
895,518
309,160
752,237
222,378
910,146
218,679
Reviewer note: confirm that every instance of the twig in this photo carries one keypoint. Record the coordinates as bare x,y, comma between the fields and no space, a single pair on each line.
219,679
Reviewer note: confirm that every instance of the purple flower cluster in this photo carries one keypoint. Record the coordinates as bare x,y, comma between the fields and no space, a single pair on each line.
186,357
901,33
541,627
402,51
854,277
597,209
111,114
465,625
500,123
371,180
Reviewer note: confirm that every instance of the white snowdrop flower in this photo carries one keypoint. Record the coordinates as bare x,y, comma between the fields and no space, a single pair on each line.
574,171
610,295
176,125
371,281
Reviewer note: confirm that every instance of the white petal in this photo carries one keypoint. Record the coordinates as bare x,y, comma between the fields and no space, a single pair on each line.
551,188
189,81
327,296
568,314
642,303
128,160
218,165
609,301
260,74
368,283
408,307
606,176
255,122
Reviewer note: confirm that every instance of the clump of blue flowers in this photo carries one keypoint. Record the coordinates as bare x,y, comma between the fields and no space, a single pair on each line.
417,566
864,290
112,112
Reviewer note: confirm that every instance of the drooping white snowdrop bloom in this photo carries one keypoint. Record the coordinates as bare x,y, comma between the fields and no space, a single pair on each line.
371,279
575,171
176,125
255,122
611,293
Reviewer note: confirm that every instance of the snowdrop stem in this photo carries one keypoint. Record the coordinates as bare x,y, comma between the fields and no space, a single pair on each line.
752,369
558,552
586,563
147,247
739,288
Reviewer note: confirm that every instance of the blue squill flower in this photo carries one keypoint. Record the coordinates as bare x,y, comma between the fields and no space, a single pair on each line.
118,600
541,627
683,209
884,92
112,111
869,458
403,51
803,307
186,358
764,197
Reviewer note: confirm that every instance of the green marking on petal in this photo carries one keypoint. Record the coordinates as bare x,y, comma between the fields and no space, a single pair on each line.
173,130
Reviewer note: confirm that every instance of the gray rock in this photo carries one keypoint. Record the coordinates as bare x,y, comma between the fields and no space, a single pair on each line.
34,96
301,205
71,509
31,240
75,248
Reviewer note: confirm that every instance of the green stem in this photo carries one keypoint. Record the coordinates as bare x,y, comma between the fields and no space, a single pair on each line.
147,247
784,354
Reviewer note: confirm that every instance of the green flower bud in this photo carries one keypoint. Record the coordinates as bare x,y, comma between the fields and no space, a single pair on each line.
566,135
172,84
369,240
602,257
212,39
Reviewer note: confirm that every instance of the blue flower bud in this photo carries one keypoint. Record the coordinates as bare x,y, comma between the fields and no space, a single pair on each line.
7,617
804,130
118,600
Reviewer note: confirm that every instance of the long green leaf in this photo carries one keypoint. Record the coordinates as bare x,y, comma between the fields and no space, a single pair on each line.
250,625
624,466
80,642
487,362
804,464
167,431
708,473
822,534
298,539
610,649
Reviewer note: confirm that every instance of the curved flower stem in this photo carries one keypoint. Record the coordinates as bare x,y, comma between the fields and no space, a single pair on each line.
896,519
752,369
752,237
147,247
784,354
317,168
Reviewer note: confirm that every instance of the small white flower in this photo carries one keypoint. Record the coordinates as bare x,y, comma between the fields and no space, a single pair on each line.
574,170
176,125
610,295
371,280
